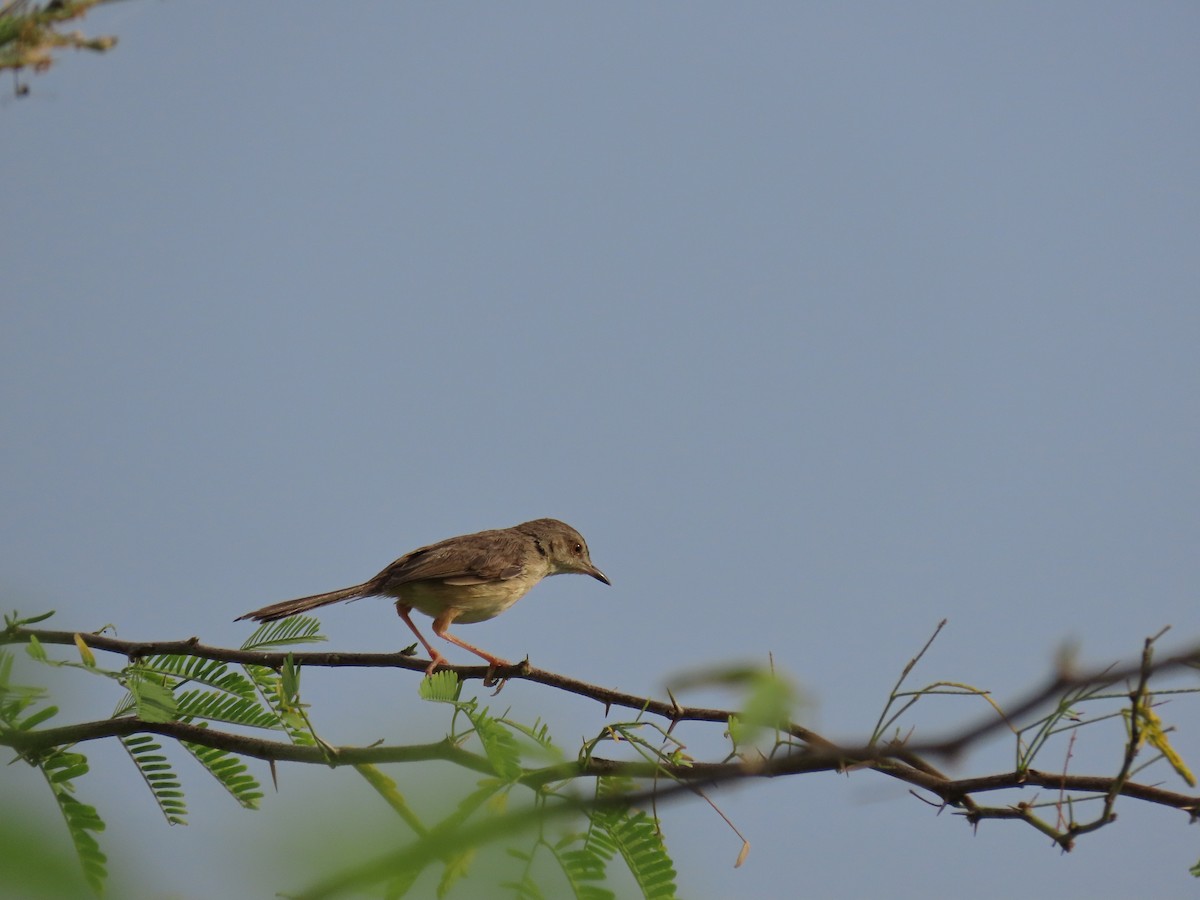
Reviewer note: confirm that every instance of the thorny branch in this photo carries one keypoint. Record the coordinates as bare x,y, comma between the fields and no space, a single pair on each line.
807,751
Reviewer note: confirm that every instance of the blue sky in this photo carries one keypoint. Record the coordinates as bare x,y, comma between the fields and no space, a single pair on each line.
821,322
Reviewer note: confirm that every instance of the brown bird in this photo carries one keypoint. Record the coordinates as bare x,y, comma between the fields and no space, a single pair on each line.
469,578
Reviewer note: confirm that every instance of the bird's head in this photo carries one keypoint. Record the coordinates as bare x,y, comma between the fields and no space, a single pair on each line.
565,549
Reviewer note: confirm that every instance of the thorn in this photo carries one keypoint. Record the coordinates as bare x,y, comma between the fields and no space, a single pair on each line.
678,710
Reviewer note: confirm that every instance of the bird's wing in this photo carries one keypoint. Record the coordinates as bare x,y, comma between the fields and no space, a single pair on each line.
490,558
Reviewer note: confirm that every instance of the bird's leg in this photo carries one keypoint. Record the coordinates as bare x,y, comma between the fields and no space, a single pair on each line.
441,626
435,659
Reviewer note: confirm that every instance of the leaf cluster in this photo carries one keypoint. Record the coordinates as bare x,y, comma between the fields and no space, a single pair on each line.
583,837
154,692
521,791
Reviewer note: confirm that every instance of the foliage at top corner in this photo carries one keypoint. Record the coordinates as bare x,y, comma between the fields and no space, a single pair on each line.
29,33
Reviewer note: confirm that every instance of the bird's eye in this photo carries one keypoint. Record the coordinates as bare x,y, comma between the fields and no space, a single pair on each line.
578,549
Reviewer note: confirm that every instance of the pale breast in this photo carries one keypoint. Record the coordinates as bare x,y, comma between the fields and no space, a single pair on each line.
476,601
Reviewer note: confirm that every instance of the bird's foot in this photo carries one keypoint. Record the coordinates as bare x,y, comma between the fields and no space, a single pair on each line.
494,663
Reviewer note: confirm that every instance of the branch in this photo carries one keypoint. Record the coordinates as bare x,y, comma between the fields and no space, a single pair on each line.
1061,681
33,743
134,650
903,761
950,746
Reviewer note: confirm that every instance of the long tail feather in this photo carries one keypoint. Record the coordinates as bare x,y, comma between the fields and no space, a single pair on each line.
303,604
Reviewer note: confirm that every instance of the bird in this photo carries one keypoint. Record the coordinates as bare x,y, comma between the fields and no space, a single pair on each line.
464,579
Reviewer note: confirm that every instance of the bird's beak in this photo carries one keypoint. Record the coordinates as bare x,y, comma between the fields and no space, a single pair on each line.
597,574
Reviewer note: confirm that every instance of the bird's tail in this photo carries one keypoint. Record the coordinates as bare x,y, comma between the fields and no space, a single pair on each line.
303,604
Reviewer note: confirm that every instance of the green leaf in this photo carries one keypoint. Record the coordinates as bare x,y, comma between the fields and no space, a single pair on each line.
498,744
635,836
486,790
582,867
740,733
768,707
13,620
539,733
440,687
388,790
66,774
290,681
62,765
230,772
610,788
269,685
37,718
209,672
225,708
456,869
153,699
35,649
292,630
82,819
59,767
158,775
282,700
15,699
